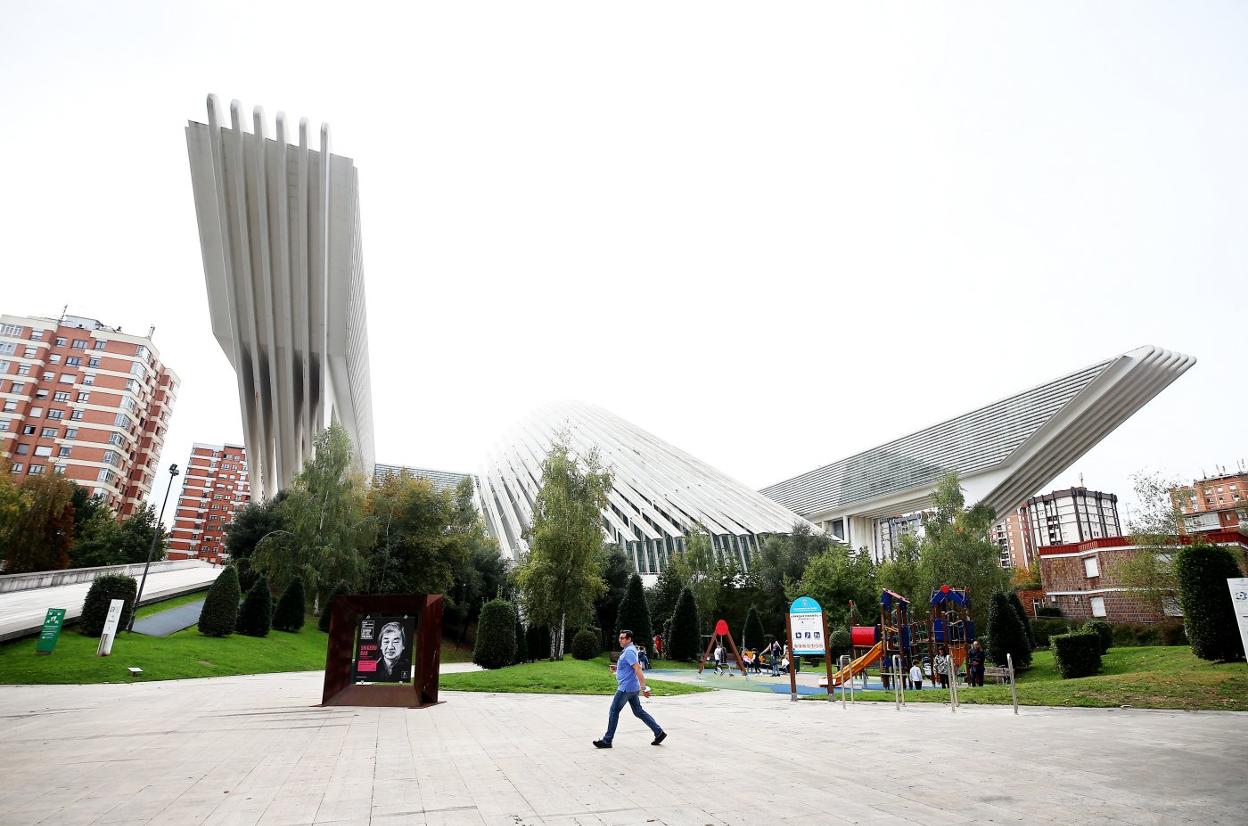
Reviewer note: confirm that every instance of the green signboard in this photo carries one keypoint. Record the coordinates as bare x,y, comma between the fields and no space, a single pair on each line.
51,630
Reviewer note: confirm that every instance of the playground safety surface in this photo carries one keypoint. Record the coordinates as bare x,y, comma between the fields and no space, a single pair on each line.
255,749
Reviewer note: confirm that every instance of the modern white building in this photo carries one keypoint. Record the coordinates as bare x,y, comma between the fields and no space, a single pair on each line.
1002,452
659,493
279,228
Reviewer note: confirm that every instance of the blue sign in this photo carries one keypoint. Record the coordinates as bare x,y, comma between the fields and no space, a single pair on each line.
806,624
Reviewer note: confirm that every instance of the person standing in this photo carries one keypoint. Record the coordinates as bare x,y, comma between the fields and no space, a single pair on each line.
630,682
916,677
975,665
941,667
773,657
719,657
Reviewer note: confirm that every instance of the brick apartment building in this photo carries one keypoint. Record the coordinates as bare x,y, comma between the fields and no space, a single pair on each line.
85,401
1219,503
1060,517
1010,537
1080,578
214,487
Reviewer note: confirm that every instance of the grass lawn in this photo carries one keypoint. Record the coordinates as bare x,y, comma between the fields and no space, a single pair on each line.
571,676
1142,677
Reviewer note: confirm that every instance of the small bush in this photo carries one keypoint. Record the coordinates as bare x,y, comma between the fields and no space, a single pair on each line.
838,643
496,635
1104,632
1208,612
1173,633
1049,611
219,616
585,645
1006,634
290,610
1077,654
1046,627
255,618
683,641
103,591
341,588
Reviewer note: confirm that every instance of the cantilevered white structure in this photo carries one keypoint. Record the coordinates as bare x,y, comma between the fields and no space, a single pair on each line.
659,493
279,227
1003,453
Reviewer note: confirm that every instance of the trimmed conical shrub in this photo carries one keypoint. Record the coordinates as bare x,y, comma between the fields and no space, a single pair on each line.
496,635
103,591
752,634
683,644
634,614
255,618
1017,605
339,589
1006,634
289,614
219,616
1208,612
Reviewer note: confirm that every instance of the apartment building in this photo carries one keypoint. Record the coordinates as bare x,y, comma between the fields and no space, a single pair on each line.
214,487
1010,537
1219,503
1069,516
86,401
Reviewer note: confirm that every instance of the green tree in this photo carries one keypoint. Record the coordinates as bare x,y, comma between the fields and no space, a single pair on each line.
835,577
559,577
252,523
419,547
1017,605
662,597
137,531
42,529
955,549
219,616
327,528
1155,525
86,506
326,613
1006,634
496,635
255,618
752,635
97,540
702,571
482,572
900,573
291,608
616,571
684,645
1208,611
634,614
780,562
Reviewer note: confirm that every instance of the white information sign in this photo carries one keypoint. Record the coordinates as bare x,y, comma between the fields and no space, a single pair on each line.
110,628
1239,599
806,621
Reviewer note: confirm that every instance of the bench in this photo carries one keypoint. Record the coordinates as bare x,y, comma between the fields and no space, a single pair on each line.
997,672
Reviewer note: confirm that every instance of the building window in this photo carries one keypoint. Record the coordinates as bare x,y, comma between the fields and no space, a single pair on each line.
64,451
1098,606
111,458
93,362
1090,567
59,470
88,380
99,344
84,396
54,358
105,475
56,414
43,450
68,378
16,467
38,335
36,412
8,348
61,341
20,388
73,361
23,369
10,406
49,433
71,433
80,344
75,415
35,470
61,395
10,330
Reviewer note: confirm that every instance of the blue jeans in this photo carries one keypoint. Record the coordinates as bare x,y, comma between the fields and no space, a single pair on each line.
632,699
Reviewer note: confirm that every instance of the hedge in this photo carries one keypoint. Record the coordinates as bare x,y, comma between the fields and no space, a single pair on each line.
219,616
1077,654
1104,632
255,618
585,645
1006,634
683,641
1049,611
103,591
634,613
1208,612
496,635
1137,633
341,588
290,611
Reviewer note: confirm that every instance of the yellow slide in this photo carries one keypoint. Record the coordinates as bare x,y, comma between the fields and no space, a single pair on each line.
856,667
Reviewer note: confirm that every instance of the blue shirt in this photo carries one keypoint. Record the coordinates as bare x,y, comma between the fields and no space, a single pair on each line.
624,674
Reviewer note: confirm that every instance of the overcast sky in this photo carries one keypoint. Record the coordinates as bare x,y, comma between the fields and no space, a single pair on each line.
771,235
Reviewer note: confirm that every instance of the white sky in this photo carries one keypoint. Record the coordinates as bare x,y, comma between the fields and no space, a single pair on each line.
771,236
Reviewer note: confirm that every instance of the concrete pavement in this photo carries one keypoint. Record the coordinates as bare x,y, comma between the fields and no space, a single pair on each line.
22,612
255,750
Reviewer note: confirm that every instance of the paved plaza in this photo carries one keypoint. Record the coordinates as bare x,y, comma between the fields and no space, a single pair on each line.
247,750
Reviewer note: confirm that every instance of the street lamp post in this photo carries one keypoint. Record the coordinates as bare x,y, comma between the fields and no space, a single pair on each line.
173,471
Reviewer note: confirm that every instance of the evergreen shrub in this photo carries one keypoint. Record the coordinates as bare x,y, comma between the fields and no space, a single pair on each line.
1006,634
290,610
219,616
1077,654
341,588
585,645
1208,612
1104,632
752,635
496,635
255,618
1045,628
683,641
103,591
1173,633
1017,605
838,644
634,614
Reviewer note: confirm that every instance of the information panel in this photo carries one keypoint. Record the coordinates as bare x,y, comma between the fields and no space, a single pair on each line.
806,620
1239,599
51,631
383,650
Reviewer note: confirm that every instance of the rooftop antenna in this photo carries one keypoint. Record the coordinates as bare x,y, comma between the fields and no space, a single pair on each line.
1080,480
64,311
151,330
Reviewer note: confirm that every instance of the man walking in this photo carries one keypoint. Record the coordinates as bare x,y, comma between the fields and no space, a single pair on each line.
631,681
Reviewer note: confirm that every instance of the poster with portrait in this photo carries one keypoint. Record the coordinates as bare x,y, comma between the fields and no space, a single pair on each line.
383,649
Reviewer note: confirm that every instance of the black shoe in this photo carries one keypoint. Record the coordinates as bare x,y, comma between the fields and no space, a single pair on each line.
658,740
601,744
